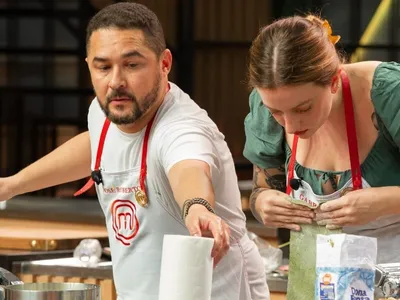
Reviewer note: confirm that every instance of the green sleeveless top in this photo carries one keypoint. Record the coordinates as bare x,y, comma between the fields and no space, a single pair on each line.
266,144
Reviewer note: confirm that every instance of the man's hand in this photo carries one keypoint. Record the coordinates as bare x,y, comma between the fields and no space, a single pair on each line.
201,222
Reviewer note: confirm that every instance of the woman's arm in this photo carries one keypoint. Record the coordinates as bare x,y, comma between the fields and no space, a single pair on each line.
269,203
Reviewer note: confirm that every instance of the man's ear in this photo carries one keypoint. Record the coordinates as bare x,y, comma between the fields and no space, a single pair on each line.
166,61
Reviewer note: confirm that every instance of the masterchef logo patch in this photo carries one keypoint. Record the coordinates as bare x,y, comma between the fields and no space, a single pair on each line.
125,223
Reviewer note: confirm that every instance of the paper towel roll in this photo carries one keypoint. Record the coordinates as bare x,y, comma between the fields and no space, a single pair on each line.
186,268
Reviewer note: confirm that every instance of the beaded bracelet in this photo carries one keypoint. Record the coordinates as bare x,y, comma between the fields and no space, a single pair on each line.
188,203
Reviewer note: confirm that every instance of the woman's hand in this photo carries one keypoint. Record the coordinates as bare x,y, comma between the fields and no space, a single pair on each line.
276,209
355,208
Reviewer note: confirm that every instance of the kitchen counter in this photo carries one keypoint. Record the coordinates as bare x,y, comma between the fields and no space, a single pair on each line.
72,268
277,283
85,211
9,256
35,235
65,267
74,210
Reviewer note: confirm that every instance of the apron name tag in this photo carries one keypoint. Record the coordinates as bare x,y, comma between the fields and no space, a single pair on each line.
309,201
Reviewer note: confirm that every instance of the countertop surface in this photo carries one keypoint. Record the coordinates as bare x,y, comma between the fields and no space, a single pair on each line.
81,210
70,209
77,210
72,267
67,267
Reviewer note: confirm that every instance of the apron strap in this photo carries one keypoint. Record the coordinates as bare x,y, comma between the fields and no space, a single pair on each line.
291,164
351,139
96,176
143,167
351,132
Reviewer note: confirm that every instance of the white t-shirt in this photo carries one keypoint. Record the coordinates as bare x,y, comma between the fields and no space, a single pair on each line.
181,131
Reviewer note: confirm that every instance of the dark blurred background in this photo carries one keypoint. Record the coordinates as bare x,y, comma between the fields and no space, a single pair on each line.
45,88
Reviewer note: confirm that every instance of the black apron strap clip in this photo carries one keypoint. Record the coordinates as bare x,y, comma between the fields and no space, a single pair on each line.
96,176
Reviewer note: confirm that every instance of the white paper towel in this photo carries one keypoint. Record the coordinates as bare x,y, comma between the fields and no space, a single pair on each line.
186,268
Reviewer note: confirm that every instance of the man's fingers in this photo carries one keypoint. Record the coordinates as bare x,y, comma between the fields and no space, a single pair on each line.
221,234
219,256
194,229
210,225
226,234
216,228
225,245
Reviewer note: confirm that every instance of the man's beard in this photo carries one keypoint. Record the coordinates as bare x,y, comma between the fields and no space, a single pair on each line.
137,111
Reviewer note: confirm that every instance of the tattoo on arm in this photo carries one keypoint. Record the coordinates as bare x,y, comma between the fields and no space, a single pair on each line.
263,179
256,189
256,172
255,194
272,178
253,197
275,181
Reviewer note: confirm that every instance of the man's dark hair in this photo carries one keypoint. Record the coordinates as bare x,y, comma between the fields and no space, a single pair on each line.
129,15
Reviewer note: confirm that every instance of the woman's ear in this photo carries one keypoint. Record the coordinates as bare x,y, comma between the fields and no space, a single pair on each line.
335,83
